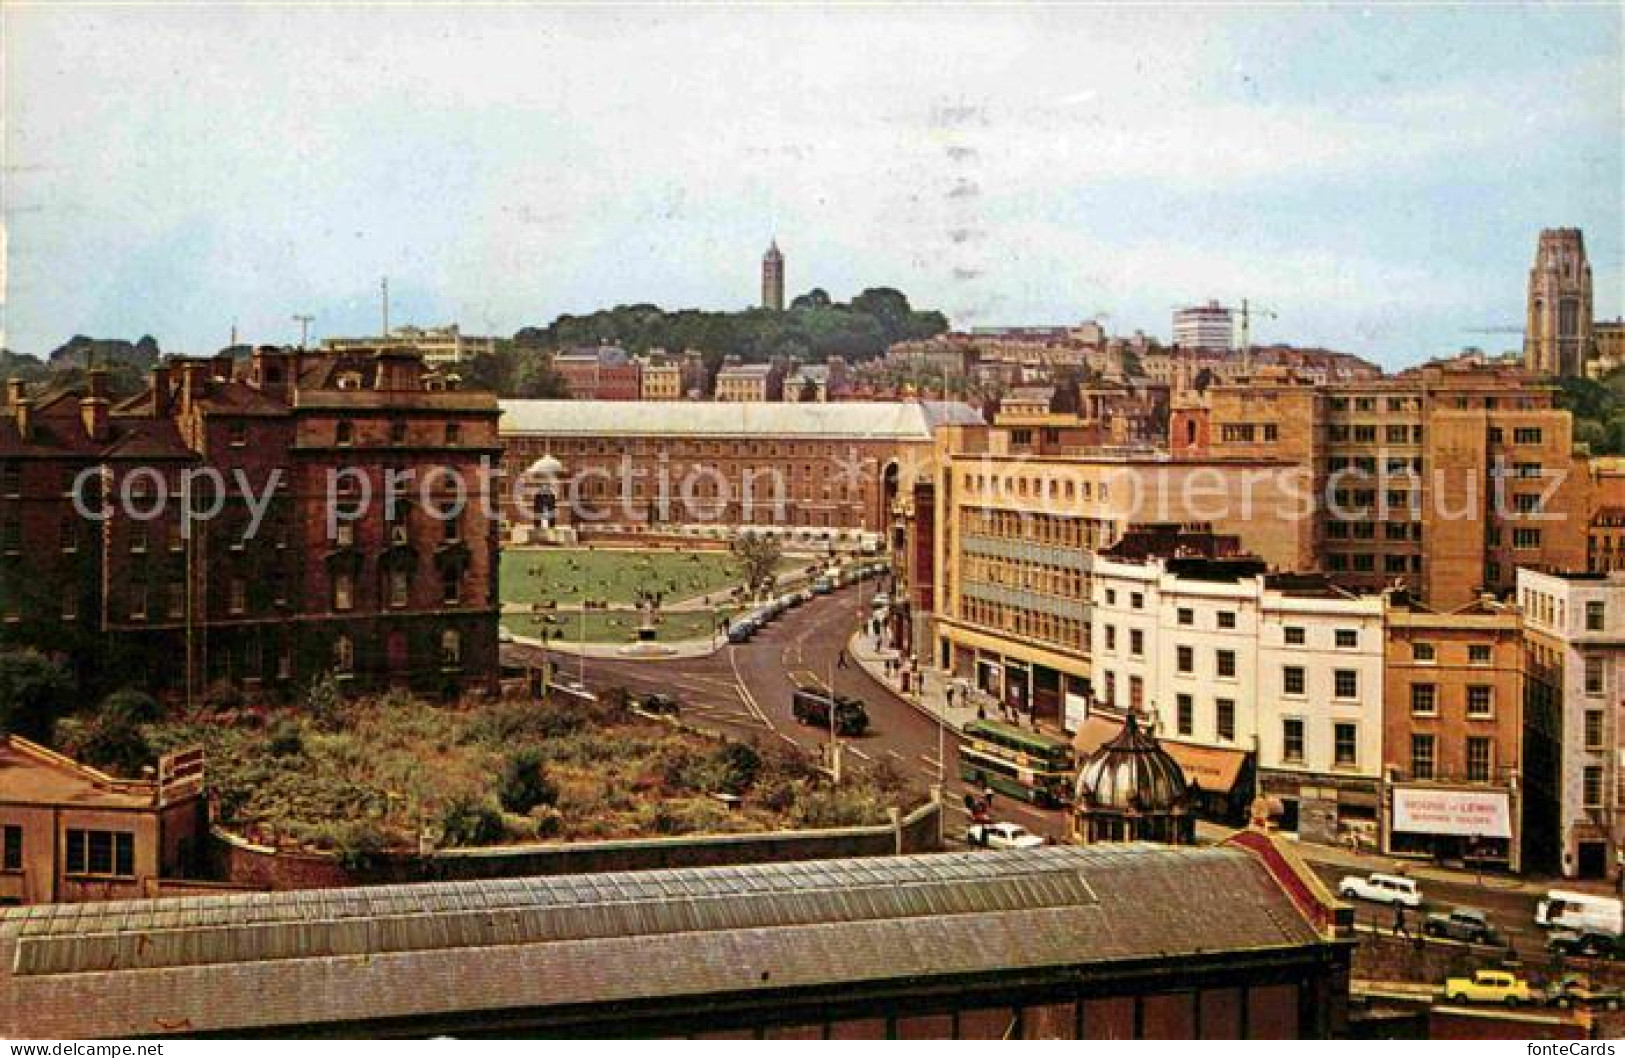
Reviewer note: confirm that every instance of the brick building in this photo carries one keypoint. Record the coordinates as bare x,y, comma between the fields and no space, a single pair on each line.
1444,480
604,372
281,575
1453,733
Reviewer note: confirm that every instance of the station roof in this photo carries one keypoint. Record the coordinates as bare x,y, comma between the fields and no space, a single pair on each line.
244,961
856,420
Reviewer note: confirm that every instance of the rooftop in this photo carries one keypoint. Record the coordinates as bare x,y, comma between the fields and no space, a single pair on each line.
33,775
860,420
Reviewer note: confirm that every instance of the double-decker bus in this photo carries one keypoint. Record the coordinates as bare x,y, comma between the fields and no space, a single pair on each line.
1025,764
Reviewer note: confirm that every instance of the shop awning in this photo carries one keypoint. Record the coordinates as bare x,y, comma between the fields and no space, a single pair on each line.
1464,813
1212,768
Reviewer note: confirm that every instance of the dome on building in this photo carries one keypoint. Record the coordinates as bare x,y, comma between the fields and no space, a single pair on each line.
1131,789
546,467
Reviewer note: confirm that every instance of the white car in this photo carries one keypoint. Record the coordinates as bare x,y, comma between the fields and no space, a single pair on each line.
1381,889
1002,836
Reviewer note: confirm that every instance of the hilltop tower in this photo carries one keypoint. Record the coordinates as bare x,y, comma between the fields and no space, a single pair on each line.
773,278
1557,338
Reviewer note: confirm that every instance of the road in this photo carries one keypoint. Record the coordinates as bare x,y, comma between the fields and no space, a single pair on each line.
744,690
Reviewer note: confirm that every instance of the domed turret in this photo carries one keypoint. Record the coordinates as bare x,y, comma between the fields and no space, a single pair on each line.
1131,789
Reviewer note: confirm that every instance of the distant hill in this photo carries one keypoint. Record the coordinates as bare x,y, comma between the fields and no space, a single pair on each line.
80,351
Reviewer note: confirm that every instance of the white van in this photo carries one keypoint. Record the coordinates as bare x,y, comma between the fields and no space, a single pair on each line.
1583,912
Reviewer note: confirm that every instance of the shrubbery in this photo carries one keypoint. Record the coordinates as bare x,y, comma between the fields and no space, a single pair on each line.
524,784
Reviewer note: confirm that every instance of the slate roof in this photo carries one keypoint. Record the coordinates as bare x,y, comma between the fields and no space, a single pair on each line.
256,961
858,420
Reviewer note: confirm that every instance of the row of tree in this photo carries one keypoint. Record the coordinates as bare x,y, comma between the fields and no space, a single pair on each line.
1599,411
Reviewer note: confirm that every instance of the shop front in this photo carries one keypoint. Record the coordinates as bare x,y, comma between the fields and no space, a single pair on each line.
1471,826
1325,809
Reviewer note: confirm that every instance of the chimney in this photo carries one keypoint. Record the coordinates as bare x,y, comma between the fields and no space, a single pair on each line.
93,408
23,410
160,392
224,367
15,391
194,381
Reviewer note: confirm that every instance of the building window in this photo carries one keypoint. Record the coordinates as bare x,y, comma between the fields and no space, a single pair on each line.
1136,693
1594,617
1526,435
1294,636
1593,786
1186,615
1423,652
451,649
1292,681
398,594
237,435
1111,637
1593,675
344,654
138,539
106,853
1480,700
1345,745
1136,601
397,433
1424,699
1225,663
138,602
1421,756
344,433
1526,539
237,596
1478,759
175,599
1347,639
1346,683
1185,712
343,591
11,481
454,530
1292,740
1478,653
454,433
1111,688
1227,619
1111,596
70,536
70,602
344,535
11,848
1225,719
453,589
1136,642
1593,729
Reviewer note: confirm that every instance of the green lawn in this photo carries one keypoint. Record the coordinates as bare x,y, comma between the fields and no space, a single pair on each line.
568,576
613,627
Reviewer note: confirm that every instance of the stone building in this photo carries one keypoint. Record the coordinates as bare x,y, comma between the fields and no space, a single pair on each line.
230,523
773,278
739,383
604,372
1557,337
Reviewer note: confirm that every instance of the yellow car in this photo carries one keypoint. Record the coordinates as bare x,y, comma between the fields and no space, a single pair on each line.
1488,986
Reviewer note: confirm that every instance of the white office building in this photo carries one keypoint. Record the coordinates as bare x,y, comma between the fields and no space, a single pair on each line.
1207,326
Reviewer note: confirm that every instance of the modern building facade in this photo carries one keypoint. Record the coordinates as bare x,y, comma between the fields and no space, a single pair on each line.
1207,326
1574,625
1443,480
233,523
1557,336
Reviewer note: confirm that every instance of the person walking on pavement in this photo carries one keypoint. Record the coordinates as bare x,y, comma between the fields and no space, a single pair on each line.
840,660
1400,929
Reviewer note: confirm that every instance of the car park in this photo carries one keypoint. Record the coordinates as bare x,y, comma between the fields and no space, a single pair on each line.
1380,888
1489,986
1460,923
1001,836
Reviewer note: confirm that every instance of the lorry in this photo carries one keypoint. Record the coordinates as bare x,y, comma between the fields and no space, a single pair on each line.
1581,912
811,702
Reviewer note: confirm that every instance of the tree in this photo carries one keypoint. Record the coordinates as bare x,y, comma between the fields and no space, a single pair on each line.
34,693
816,298
114,740
758,557
469,820
524,783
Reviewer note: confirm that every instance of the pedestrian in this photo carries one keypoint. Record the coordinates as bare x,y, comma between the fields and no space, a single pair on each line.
1400,929
840,661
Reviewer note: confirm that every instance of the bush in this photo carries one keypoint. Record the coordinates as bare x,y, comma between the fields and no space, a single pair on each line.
360,845
115,745
34,693
468,820
324,701
286,738
738,764
130,707
223,696
524,784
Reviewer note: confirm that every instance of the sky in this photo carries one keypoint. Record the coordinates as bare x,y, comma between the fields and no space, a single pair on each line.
1373,178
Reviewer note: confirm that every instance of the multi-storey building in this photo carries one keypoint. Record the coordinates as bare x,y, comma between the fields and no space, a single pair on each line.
1283,668
1443,480
739,383
1015,534
1557,338
601,373
437,345
1204,327
817,467
230,523
1574,627
1605,534
1453,733
1608,341
816,383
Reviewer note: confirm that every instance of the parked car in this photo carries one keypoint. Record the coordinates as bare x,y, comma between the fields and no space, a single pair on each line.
1460,923
823,586
660,704
1576,990
1488,986
741,631
1381,889
1002,836
1590,942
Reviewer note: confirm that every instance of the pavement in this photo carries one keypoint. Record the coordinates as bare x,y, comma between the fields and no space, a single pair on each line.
927,692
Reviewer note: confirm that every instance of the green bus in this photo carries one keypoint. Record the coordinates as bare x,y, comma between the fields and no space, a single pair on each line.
1023,764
